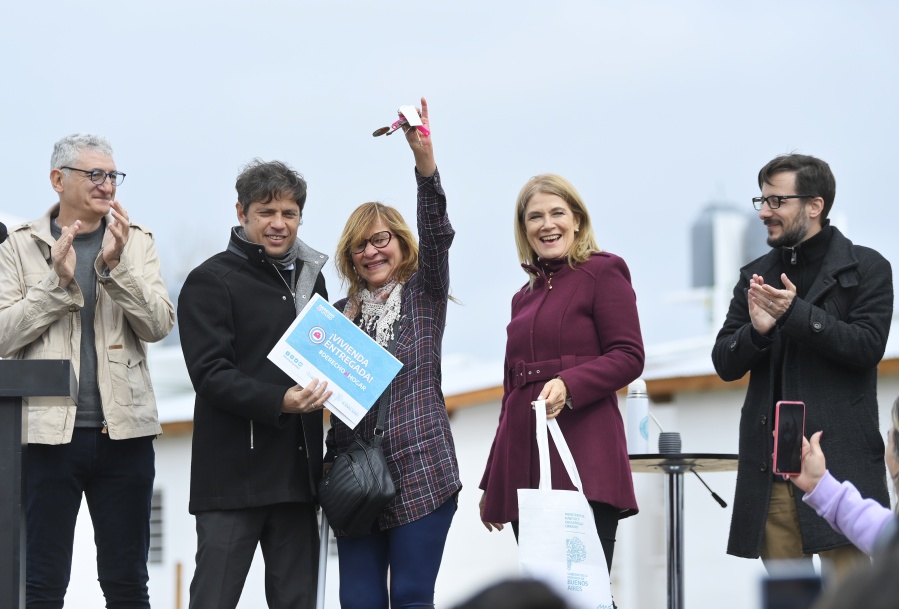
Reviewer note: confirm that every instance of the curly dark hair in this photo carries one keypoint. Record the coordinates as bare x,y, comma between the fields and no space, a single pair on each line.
260,182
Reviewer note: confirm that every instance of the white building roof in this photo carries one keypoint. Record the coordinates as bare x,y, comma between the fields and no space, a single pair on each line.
461,373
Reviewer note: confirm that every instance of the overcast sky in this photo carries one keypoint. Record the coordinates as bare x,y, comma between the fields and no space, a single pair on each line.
652,109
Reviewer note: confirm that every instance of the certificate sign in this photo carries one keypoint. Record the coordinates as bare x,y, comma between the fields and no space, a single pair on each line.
323,344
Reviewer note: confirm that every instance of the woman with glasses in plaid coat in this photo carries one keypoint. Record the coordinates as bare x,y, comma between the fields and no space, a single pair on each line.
392,278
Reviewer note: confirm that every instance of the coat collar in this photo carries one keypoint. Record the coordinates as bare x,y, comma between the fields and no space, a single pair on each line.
839,258
40,228
256,252
542,266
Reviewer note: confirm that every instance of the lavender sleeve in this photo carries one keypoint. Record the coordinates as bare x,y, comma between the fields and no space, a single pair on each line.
860,520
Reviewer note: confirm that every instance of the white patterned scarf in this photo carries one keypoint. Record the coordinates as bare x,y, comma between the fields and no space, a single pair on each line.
380,309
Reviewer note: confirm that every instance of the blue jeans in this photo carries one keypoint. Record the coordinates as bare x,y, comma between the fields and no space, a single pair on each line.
412,552
116,478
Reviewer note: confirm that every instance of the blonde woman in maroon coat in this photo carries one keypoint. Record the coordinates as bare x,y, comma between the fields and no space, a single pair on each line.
574,340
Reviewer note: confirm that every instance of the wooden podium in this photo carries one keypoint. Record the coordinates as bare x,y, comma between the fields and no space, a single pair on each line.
21,379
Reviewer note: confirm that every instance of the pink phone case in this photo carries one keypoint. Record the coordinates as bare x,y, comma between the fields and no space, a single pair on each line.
790,415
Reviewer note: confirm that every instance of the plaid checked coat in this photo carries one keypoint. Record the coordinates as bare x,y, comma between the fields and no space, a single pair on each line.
418,443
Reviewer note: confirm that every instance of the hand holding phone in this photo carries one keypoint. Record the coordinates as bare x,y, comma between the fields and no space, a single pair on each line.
789,429
814,465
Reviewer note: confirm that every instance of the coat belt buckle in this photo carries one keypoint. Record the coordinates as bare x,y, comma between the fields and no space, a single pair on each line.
518,374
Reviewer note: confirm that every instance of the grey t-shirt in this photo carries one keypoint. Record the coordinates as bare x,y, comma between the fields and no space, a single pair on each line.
87,245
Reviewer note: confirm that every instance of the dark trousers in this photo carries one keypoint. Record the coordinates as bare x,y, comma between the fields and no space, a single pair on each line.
606,518
116,479
226,543
412,552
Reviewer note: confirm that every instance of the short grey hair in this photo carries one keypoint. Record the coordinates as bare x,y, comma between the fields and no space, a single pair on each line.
67,150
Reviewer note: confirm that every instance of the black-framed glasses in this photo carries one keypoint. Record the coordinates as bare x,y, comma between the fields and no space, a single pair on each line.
775,201
98,176
379,240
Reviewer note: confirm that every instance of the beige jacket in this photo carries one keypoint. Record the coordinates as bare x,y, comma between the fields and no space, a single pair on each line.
40,320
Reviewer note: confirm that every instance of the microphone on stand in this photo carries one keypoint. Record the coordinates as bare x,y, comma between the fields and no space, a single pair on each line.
715,496
670,443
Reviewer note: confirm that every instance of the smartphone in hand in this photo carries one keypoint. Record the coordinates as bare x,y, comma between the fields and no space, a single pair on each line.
789,428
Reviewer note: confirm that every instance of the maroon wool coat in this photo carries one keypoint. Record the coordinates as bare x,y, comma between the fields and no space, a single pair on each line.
584,329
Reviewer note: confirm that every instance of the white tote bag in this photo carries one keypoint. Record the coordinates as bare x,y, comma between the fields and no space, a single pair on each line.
557,539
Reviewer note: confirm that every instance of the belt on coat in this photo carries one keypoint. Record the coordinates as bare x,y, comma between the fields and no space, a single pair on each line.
523,373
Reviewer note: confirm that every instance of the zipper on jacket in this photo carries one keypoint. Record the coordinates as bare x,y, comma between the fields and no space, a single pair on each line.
251,434
105,428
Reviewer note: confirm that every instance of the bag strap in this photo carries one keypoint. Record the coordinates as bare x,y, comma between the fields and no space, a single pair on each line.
565,453
561,445
384,400
542,445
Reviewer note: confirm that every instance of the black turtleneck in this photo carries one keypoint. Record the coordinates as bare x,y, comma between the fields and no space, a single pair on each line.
802,263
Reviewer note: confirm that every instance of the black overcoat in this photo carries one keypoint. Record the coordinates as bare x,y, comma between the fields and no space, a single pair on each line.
245,452
837,336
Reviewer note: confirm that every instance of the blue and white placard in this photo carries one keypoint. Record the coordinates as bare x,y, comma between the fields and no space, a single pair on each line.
323,344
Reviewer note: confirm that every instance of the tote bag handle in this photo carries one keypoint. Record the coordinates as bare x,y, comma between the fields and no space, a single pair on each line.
561,446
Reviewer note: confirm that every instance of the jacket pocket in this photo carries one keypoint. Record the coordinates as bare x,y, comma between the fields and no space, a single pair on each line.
129,376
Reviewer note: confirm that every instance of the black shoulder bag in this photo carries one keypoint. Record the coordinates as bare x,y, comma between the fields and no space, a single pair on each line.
359,486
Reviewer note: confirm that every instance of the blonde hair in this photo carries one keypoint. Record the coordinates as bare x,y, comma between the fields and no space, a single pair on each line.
548,183
358,229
